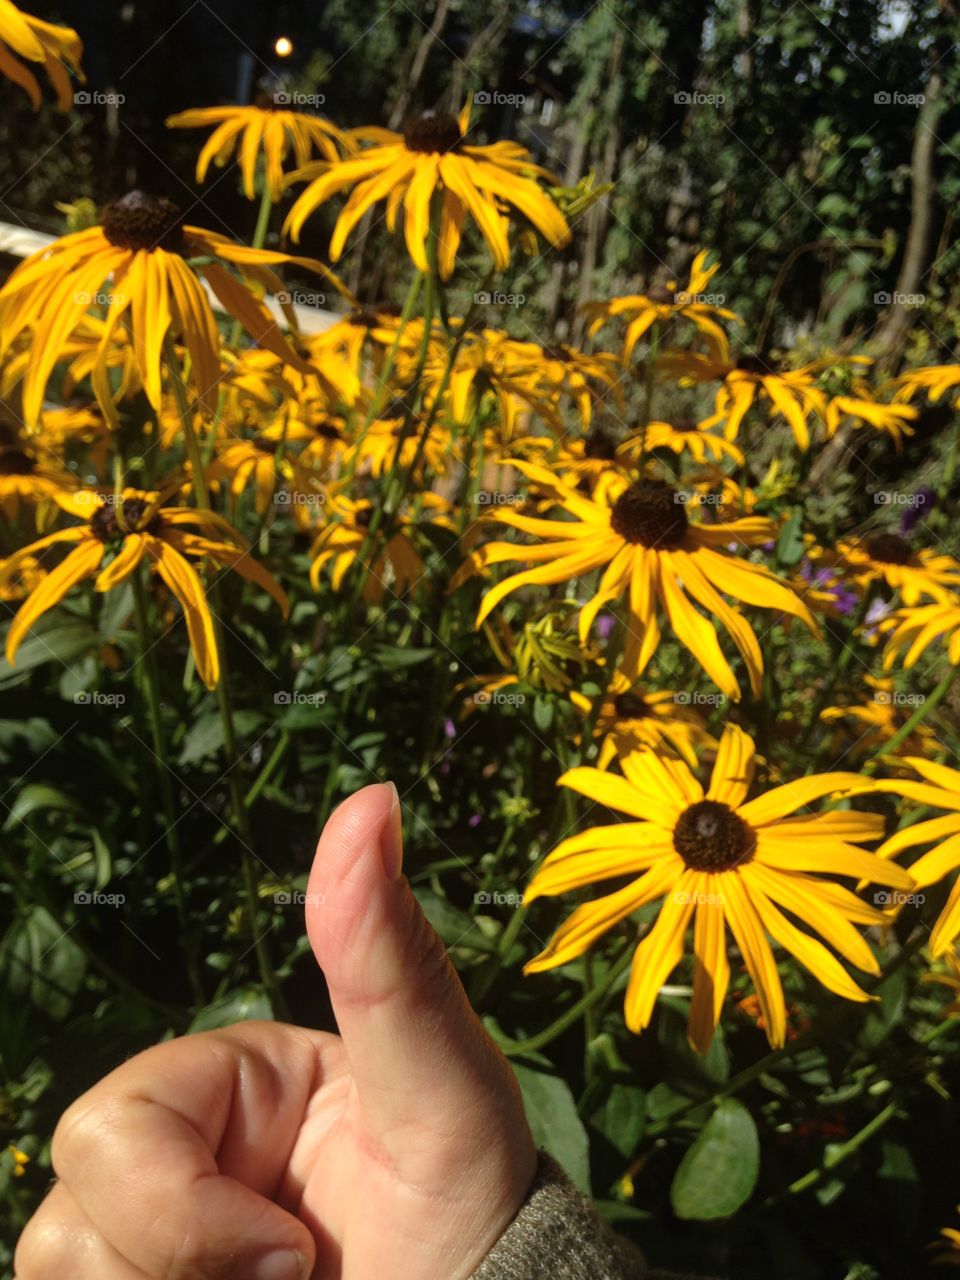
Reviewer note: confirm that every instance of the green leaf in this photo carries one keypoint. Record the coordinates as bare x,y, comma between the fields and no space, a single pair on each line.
454,927
554,1123
41,963
242,1005
542,712
36,797
622,1117
719,1172
790,546
205,736
61,644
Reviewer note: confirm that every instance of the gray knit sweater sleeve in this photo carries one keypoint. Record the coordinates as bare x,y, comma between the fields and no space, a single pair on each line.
557,1235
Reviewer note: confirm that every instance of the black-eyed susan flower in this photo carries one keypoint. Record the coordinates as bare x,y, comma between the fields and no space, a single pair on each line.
876,717
640,534
431,156
395,564
26,40
719,861
683,436
154,263
861,409
632,716
889,559
933,381
750,379
263,128
259,462
939,789
914,630
561,370
23,478
663,304
112,540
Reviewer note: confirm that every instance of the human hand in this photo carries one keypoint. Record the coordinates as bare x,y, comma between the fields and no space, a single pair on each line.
273,1152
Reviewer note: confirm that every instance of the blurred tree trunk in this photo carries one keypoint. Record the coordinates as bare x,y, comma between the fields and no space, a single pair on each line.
427,41
894,329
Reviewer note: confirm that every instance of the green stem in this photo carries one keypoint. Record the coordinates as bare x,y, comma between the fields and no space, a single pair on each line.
836,1156
812,1036
225,706
924,709
263,777
514,1048
150,685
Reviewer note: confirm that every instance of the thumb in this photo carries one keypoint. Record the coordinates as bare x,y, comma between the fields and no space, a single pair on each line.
418,1053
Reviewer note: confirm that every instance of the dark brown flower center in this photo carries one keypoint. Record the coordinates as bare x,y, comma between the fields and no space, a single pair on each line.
888,548
363,518
630,706
661,295
327,430
141,221
709,836
106,526
600,444
559,352
750,362
14,462
263,445
651,514
432,131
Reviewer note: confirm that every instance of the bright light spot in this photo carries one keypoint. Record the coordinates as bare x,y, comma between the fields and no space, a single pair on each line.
283,47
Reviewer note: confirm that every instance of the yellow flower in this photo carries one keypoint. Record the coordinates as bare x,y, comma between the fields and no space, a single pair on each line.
631,717
395,564
894,419
877,718
663,304
919,628
940,789
144,248
641,535
20,1160
110,544
23,477
791,393
56,48
23,577
951,979
560,370
433,156
934,380
262,127
719,860
684,435
888,558
246,462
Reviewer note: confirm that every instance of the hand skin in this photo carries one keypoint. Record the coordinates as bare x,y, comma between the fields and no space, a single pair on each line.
398,1149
